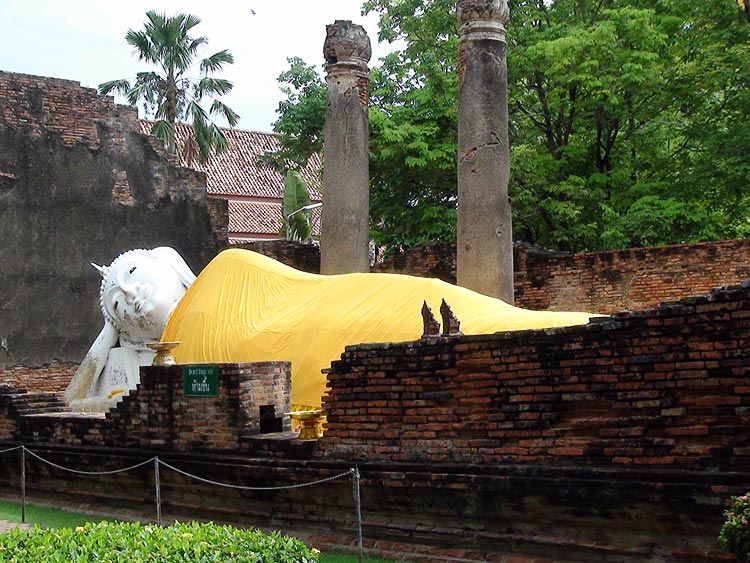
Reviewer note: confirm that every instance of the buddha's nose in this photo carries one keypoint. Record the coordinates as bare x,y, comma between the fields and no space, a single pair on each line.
130,291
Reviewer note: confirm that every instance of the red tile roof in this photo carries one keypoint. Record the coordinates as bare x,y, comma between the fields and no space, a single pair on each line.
247,218
239,176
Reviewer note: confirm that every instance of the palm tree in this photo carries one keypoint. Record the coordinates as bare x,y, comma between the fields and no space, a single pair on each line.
169,94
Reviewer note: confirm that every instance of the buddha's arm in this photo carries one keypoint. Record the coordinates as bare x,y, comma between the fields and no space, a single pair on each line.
93,364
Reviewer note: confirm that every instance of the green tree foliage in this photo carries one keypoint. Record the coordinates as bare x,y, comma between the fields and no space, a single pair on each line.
301,117
584,84
170,94
627,122
712,83
413,124
614,103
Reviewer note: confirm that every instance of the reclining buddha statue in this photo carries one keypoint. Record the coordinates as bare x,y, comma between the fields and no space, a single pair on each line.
137,294
246,307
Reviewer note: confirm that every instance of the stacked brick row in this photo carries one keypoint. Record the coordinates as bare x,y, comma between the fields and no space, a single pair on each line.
601,282
66,107
158,415
627,279
435,260
265,385
52,378
18,404
305,257
660,387
218,209
8,414
73,429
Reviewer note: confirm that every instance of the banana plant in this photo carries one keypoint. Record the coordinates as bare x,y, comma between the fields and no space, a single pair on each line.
296,217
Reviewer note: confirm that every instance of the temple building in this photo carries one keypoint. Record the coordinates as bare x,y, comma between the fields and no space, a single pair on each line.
252,187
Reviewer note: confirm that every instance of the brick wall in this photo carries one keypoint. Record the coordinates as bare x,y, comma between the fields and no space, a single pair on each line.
8,415
305,257
666,387
436,260
79,183
617,441
158,414
50,105
600,282
219,211
629,279
415,513
53,377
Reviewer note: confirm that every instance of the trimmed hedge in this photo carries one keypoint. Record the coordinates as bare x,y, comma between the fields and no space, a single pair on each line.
735,533
124,542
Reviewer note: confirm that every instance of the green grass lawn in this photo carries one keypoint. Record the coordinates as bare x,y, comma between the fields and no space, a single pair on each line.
44,516
347,558
55,518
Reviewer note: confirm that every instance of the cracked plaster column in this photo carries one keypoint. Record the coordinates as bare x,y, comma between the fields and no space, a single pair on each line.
484,260
345,234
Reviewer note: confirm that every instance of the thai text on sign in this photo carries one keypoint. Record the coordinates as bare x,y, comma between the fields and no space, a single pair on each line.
201,381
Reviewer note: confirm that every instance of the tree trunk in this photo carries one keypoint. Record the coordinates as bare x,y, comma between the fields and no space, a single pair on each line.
171,112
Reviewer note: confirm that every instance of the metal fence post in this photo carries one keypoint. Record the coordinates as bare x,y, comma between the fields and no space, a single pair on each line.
23,484
158,490
358,509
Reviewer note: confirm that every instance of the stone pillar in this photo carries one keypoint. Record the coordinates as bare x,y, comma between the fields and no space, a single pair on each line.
344,233
484,257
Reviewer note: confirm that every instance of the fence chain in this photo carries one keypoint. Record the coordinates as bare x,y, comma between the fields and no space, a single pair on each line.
157,484
230,486
40,458
353,473
357,508
23,485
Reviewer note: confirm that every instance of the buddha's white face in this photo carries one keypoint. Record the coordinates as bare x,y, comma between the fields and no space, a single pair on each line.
139,293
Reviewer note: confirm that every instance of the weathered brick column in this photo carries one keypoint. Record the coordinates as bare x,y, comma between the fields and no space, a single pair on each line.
484,260
344,237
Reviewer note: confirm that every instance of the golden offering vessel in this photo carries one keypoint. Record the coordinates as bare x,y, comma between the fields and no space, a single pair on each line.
163,351
310,421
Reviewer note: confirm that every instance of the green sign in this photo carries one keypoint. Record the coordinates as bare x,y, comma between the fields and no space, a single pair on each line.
201,381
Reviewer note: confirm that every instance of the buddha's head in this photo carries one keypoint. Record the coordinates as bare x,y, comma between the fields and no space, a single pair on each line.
139,290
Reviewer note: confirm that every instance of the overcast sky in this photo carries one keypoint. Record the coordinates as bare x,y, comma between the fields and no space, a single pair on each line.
84,40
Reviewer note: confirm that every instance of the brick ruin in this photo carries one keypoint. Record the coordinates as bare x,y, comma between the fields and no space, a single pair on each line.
657,387
159,414
629,279
618,441
601,282
80,183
